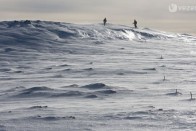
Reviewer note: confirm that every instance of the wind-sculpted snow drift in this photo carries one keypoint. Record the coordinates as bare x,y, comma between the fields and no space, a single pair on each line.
30,31
63,76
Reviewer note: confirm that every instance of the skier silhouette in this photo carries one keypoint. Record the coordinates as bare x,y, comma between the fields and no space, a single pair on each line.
135,23
104,21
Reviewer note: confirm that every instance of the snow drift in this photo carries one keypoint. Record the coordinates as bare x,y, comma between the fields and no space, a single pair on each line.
31,31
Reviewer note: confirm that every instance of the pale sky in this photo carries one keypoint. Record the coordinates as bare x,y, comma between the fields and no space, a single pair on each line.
149,13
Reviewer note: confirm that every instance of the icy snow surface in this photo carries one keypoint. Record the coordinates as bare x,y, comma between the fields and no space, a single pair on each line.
67,77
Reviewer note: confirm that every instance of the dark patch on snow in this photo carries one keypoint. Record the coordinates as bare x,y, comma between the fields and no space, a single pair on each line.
91,96
133,118
151,69
96,86
68,94
88,69
38,107
8,49
56,118
107,92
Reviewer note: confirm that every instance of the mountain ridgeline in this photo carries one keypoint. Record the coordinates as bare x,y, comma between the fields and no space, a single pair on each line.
20,32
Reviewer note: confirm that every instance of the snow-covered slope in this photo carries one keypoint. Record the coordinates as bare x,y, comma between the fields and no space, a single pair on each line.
36,30
63,76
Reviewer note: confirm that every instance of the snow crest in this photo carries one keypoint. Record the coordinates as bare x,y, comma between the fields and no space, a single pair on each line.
23,31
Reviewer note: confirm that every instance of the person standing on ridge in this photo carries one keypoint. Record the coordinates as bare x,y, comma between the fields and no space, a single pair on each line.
104,21
135,23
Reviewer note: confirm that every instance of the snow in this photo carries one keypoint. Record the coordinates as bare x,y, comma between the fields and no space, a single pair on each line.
64,76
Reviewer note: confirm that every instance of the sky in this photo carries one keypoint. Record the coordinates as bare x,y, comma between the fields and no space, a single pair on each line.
169,15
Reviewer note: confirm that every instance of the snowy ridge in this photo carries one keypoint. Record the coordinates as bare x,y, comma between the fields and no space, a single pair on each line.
96,90
20,30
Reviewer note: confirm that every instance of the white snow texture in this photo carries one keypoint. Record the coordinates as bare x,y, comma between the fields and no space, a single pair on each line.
68,77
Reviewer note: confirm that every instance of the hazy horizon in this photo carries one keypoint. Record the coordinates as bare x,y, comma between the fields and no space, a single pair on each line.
165,15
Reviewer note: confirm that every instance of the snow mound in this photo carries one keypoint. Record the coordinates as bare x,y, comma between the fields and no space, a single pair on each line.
95,90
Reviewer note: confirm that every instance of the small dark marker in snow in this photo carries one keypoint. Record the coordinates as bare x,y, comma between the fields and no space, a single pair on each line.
191,95
72,117
178,93
160,109
164,78
121,74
